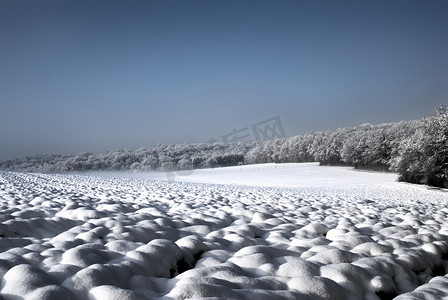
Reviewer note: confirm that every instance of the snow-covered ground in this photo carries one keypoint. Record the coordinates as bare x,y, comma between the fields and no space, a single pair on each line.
276,175
292,231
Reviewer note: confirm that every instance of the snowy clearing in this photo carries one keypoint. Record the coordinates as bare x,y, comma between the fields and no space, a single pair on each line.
292,231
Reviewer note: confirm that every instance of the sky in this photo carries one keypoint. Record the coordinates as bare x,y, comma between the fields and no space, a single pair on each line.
97,75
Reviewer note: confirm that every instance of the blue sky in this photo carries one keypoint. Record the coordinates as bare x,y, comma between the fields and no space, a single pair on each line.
97,75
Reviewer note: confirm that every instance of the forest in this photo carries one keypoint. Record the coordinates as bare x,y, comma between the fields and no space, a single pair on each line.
417,150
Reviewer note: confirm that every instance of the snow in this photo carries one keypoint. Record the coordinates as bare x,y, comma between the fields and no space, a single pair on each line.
291,231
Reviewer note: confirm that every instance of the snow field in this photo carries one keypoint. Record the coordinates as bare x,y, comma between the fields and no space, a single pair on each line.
87,237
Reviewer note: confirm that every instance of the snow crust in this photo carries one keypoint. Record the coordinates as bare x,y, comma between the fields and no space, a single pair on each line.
293,231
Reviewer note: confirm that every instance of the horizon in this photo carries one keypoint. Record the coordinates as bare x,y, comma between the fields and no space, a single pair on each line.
83,76
220,140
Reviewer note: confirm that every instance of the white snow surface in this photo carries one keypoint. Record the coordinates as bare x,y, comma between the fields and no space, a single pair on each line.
290,231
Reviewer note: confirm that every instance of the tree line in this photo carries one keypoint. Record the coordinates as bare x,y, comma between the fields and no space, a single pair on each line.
161,157
417,150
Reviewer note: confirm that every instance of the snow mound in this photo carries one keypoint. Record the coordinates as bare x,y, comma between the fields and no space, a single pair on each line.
91,237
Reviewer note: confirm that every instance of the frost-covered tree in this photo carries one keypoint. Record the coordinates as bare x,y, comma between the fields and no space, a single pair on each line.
424,155
418,150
